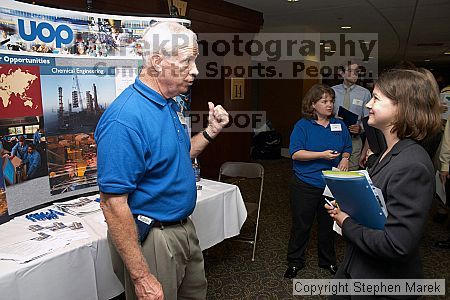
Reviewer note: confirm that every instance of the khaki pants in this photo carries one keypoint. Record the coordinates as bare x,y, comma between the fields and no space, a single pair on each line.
174,257
353,163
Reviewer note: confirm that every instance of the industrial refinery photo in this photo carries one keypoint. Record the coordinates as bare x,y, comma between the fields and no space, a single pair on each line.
72,107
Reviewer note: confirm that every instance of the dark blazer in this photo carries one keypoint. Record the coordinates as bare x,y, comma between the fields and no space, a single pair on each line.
406,178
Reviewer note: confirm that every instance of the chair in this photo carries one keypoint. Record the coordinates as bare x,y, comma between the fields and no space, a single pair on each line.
238,172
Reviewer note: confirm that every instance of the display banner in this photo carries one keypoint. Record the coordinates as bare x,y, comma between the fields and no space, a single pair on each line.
59,71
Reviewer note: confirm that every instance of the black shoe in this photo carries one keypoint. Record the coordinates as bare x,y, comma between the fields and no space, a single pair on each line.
443,244
291,272
331,268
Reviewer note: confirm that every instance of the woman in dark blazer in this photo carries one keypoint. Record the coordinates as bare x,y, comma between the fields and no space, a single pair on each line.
405,107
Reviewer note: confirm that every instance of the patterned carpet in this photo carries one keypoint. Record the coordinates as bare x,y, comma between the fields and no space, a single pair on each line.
232,275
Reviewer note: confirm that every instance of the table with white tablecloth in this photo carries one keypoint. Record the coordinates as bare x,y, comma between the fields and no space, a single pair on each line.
83,270
219,214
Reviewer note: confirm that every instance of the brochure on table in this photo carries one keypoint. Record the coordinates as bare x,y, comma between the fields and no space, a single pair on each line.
41,232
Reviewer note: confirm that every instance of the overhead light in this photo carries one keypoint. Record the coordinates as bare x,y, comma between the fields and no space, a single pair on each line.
447,53
292,0
371,57
427,59
346,27
332,51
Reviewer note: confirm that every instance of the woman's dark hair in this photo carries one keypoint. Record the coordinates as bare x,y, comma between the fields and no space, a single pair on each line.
416,95
314,94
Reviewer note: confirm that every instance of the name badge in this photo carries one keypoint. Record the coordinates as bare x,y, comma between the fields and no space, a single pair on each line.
357,102
145,219
181,118
336,127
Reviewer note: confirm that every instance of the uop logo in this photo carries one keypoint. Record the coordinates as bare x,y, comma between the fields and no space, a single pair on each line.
46,33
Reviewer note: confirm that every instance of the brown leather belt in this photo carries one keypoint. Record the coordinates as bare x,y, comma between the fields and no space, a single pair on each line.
167,224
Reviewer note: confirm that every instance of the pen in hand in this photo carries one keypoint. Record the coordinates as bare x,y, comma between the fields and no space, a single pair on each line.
329,203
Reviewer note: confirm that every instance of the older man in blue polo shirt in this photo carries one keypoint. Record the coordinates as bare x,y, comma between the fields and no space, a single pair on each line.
150,182
354,98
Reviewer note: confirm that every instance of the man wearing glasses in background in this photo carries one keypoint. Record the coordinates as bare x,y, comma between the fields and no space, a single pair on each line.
352,97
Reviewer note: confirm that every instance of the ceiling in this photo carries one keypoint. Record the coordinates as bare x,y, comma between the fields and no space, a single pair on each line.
402,25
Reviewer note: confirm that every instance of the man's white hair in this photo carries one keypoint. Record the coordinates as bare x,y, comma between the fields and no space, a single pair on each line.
166,38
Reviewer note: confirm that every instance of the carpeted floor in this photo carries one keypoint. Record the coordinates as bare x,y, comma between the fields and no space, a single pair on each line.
232,275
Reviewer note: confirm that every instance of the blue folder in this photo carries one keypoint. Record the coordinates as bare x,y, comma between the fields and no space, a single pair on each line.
356,196
347,116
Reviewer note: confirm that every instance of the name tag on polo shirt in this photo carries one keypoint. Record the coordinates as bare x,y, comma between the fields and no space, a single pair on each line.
181,118
357,102
335,127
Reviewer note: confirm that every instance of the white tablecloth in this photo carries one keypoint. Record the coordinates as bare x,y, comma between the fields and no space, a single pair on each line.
82,270
219,214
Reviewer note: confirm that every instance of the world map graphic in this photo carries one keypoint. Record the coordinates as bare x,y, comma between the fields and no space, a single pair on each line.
20,91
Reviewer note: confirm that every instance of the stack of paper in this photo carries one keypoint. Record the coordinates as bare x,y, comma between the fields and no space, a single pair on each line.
79,207
29,250
43,238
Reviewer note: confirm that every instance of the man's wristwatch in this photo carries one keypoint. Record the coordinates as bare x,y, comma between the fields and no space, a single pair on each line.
207,136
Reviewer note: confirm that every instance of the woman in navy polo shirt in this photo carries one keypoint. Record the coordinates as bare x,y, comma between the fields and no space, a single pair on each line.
318,142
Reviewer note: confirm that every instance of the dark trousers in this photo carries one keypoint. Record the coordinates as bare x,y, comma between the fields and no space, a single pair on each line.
307,203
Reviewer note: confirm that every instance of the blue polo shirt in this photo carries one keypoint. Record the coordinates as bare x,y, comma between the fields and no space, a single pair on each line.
310,136
143,151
